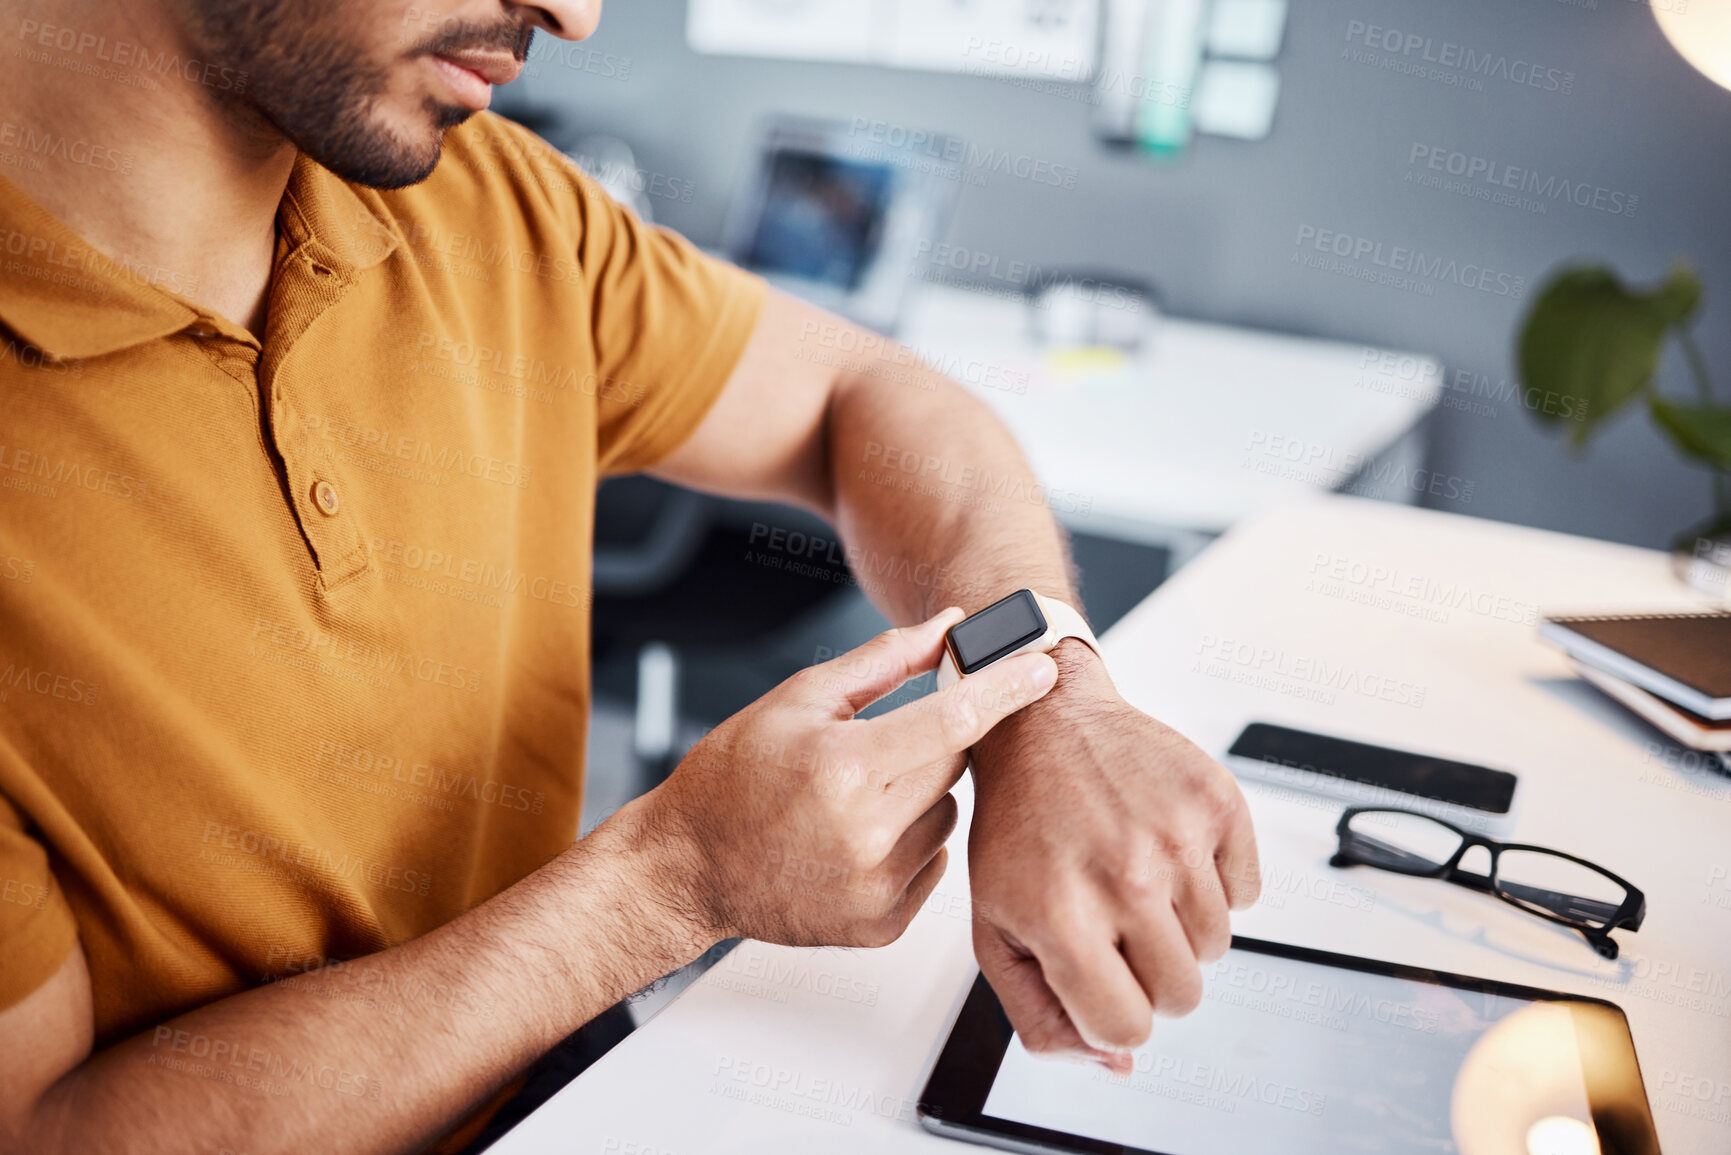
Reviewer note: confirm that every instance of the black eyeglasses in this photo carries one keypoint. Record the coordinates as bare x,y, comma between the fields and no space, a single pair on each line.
1548,883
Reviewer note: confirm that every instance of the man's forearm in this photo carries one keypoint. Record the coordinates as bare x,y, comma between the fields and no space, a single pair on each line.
935,498
940,507
389,1051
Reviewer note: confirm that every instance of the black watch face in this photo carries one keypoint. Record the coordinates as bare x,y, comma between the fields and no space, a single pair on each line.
999,629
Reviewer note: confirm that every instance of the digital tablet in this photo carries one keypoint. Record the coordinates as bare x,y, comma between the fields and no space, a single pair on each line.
1304,1052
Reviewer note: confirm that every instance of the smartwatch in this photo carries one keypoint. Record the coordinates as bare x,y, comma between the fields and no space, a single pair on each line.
1021,623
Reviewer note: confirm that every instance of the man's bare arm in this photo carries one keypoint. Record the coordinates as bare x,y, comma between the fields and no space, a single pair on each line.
1106,849
355,1062
402,1044
936,500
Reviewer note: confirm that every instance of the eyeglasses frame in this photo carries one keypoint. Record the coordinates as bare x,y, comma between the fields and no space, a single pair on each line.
1629,914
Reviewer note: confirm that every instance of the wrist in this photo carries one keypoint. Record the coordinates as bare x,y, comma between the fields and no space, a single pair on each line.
667,873
600,920
1084,689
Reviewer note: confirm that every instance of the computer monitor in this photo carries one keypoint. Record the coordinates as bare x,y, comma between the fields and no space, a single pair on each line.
837,212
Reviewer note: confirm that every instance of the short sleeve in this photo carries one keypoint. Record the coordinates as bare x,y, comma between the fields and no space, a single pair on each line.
37,929
669,324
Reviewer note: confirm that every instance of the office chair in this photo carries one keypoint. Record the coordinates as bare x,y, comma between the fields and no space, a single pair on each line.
683,611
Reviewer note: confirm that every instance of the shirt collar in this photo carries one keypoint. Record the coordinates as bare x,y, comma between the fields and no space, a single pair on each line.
60,294
348,230
66,298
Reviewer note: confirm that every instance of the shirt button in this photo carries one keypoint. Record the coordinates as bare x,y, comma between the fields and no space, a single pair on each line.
325,497
201,331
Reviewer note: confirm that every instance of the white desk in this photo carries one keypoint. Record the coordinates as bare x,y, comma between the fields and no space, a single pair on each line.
1208,425
834,1046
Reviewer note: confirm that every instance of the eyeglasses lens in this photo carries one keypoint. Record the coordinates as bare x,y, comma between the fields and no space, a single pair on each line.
1550,884
1395,840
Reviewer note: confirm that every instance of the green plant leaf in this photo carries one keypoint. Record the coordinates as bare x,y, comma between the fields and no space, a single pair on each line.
1701,431
1591,338
1678,298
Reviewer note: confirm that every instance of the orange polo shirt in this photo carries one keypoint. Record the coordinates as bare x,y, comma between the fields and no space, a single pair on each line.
294,633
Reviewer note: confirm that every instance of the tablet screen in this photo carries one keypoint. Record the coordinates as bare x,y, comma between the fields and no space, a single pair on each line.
1297,1057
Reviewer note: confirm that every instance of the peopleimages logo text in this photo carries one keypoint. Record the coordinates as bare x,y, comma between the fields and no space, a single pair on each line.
954,152
126,55
1410,262
1475,171
1445,54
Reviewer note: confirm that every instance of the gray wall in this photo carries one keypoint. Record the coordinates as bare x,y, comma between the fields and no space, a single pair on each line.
1216,229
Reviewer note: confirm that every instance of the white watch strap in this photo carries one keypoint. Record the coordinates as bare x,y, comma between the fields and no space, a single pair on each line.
1065,621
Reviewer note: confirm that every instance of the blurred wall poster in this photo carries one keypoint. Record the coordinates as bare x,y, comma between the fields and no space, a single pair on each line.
1051,39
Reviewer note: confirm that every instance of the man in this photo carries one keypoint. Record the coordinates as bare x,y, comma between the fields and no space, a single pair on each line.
309,376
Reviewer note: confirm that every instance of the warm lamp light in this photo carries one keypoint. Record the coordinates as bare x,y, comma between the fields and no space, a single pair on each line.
1700,30
1562,1135
1520,1090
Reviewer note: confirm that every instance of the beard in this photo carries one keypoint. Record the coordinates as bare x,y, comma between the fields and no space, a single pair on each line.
310,77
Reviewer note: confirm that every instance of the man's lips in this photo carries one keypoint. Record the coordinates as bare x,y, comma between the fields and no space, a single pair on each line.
489,66
471,75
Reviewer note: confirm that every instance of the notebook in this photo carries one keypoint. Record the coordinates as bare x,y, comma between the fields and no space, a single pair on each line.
1683,658
1678,724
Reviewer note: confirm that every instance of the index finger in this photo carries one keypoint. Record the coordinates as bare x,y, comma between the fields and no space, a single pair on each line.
917,744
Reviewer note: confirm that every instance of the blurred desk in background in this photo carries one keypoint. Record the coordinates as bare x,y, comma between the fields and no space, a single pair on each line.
1207,425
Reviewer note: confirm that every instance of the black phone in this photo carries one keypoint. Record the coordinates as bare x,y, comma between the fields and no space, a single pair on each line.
1367,775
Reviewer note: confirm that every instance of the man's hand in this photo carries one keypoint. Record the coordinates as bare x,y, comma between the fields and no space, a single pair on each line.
1105,852
795,822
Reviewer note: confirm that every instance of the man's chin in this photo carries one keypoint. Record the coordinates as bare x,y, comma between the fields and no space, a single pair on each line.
449,115
384,161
